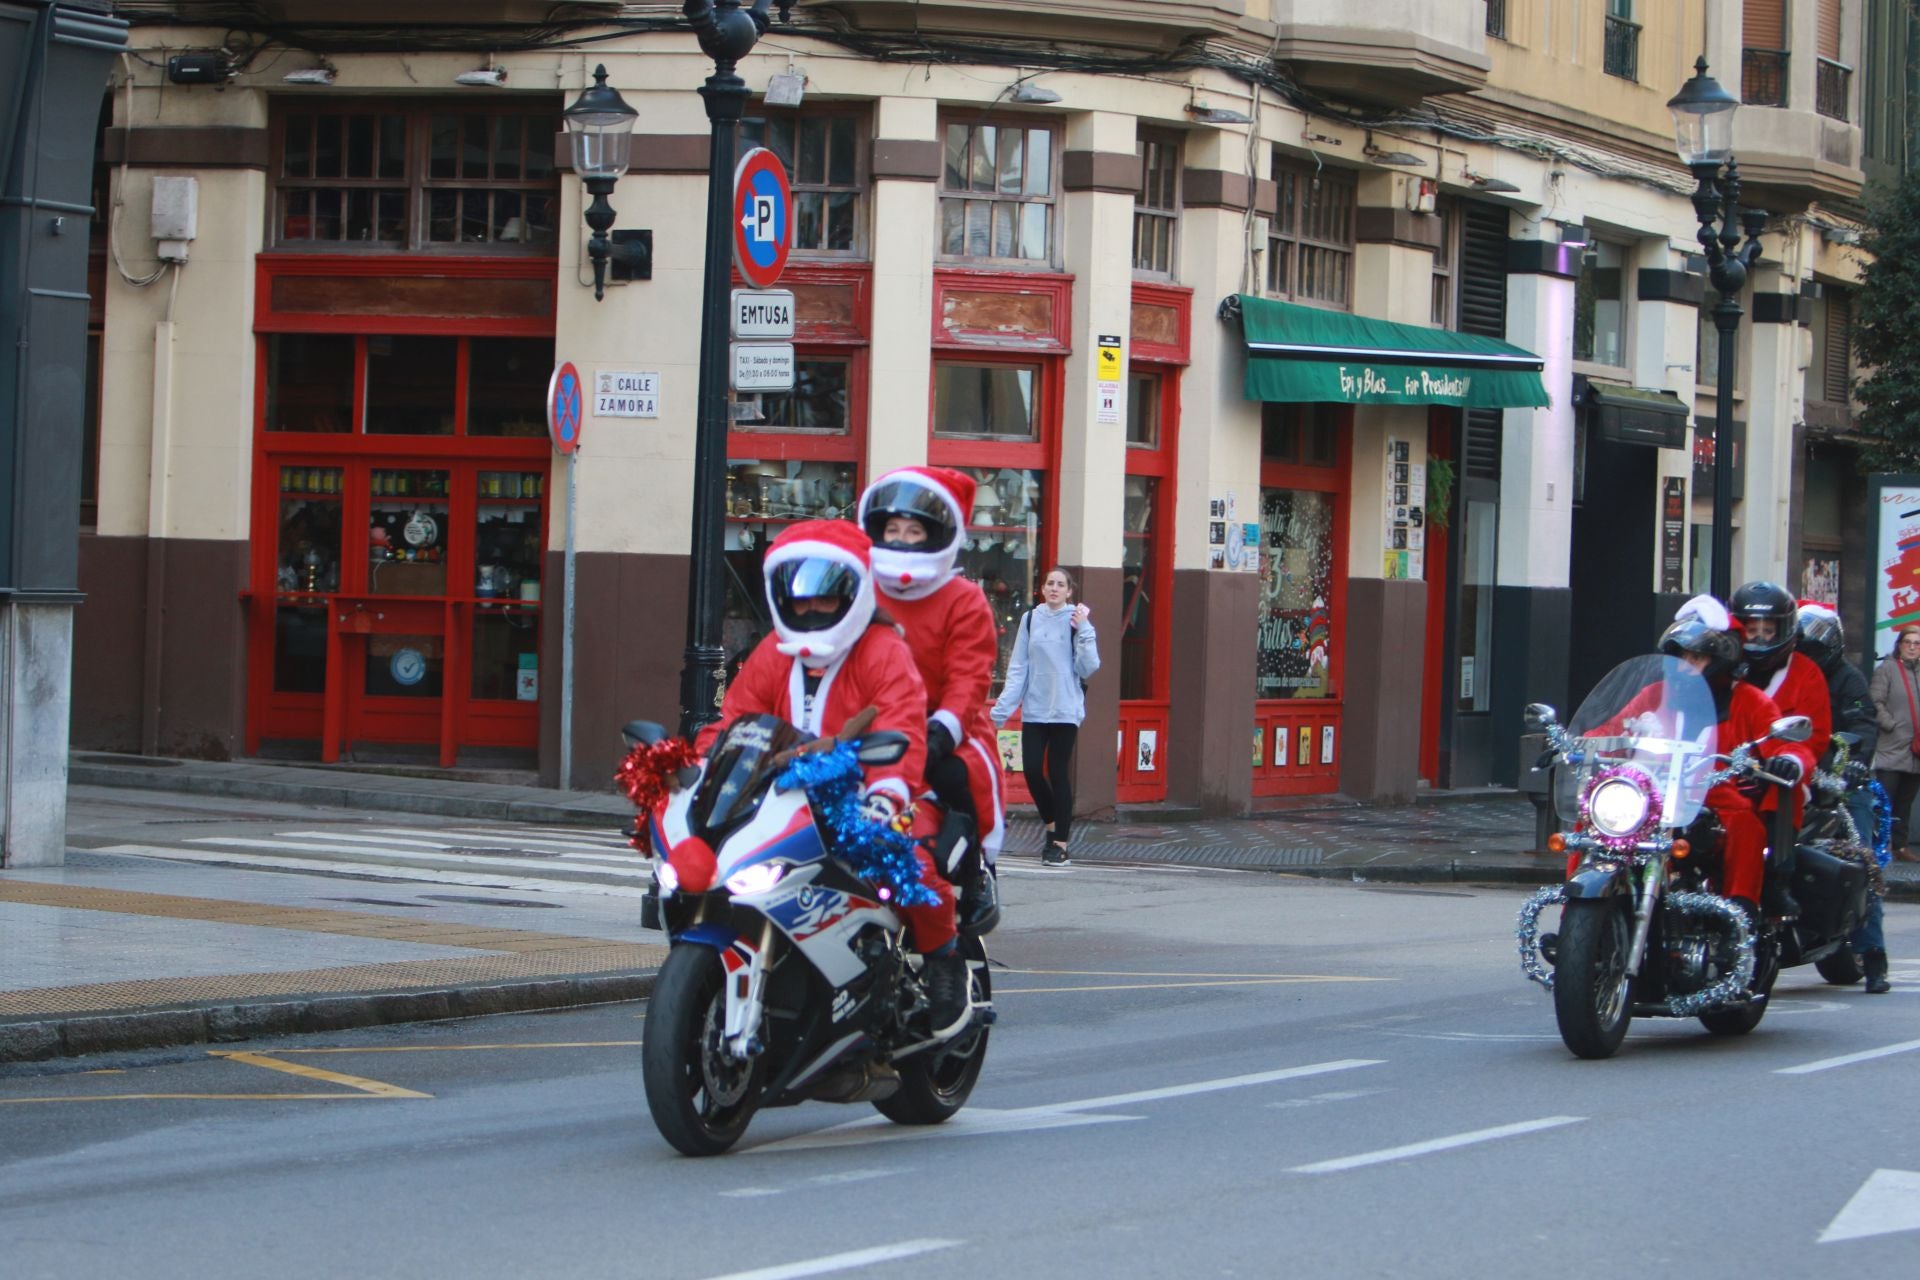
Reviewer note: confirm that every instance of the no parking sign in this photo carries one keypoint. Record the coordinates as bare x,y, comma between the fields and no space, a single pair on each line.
566,407
762,217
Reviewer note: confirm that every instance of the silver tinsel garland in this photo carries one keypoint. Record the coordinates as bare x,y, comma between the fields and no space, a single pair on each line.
1529,934
1733,985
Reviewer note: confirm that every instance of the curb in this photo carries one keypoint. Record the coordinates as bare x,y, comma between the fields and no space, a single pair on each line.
598,810
225,1023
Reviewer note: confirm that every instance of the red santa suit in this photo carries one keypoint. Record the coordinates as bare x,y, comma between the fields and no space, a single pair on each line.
860,663
954,636
1799,688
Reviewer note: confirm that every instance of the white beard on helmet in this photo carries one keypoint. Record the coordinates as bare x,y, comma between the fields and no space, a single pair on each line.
821,648
912,575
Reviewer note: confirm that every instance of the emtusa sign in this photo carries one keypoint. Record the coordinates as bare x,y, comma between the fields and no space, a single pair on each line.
762,313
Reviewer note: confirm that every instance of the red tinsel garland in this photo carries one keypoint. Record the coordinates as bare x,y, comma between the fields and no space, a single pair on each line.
643,774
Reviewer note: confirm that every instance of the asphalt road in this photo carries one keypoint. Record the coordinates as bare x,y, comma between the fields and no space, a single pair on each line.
1194,1074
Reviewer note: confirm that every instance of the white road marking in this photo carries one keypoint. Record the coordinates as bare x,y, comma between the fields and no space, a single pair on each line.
1321,1099
1886,1202
1432,1145
750,1193
334,845
467,839
1848,1059
975,1121
383,871
843,1261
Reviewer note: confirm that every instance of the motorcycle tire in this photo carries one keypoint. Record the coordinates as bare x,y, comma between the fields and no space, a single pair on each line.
1590,982
700,1099
936,1084
1744,1018
1842,968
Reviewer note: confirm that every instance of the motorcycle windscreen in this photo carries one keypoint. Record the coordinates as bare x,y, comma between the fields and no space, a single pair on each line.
1656,714
738,771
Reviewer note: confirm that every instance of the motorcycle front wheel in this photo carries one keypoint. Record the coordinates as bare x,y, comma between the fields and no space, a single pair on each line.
1590,978
701,1097
936,1084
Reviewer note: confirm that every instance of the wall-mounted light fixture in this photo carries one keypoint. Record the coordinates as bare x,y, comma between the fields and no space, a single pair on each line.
600,129
488,77
787,88
1485,183
322,74
1029,92
1375,154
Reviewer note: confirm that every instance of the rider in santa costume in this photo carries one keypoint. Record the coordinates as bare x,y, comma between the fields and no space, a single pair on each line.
916,518
832,655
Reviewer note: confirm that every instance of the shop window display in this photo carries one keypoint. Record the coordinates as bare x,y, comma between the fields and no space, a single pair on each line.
1137,575
1002,548
817,403
1295,639
309,564
407,535
762,498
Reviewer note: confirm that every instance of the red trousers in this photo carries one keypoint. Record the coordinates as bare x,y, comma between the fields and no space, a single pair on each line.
929,927
1744,857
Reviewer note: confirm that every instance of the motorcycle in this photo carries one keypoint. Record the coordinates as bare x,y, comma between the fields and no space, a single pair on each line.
1830,826
789,978
1643,930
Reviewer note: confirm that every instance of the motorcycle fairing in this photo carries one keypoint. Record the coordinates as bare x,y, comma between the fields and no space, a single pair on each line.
746,989
1598,880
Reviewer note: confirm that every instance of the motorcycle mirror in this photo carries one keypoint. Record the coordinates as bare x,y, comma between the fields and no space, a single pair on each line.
642,733
1791,729
886,747
1539,713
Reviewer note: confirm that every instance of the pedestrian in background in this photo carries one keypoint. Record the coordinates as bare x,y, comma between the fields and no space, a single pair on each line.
1895,691
1054,654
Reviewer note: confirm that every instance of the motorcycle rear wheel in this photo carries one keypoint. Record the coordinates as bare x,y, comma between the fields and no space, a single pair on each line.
1590,1000
936,1084
1741,1019
701,1098
1842,968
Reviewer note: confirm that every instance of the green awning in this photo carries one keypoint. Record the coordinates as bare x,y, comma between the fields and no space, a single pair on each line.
1301,354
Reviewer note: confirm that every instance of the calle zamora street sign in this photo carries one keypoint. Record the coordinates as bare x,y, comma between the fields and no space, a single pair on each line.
762,218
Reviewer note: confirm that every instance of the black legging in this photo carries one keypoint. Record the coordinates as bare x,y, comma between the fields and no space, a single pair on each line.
1902,788
1046,754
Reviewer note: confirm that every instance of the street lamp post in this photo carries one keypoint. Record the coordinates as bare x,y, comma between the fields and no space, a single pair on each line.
1703,128
727,33
600,132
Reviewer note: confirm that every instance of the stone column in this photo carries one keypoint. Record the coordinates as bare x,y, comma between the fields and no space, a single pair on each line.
1666,332
907,157
1775,382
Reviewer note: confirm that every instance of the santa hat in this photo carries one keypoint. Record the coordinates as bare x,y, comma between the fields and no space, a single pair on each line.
838,541
1707,610
908,574
1818,609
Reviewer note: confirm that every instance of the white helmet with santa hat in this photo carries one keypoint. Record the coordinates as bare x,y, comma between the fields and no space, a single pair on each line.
819,577
941,500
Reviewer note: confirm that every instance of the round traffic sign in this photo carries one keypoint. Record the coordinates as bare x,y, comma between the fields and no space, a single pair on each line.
762,217
566,407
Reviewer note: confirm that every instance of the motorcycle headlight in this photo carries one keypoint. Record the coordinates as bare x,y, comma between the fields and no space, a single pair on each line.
669,878
755,879
1618,807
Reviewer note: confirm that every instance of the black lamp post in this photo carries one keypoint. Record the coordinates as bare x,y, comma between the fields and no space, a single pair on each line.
1703,127
727,31
600,129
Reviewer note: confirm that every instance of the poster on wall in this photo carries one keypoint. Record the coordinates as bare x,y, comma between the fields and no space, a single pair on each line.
1894,502
1148,759
1010,751
1673,534
1406,499
1280,740
1820,579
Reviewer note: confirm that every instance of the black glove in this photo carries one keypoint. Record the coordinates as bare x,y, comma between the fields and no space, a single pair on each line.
939,742
1787,768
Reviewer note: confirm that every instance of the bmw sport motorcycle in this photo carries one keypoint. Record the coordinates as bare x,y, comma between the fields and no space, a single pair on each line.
789,978
1644,931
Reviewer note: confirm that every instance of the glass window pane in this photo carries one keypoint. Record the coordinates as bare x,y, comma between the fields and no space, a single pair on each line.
979,224
1143,410
359,214
840,220
1039,179
359,146
298,147
326,147
840,153
506,148
508,225
392,216
300,649
540,145
309,382
984,400
507,386
473,216
1136,580
296,215
1033,230
812,168
956,168
1295,641
818,401
1007,162
1004,548
443,215
445,147
326,215
809,220
309,547
1003,228
393,146
407,536
1474,684
985,143
953,227
506,656
473,147
410,385
780,138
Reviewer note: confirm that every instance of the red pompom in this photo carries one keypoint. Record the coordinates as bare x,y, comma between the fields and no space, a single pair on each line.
693,861
644,773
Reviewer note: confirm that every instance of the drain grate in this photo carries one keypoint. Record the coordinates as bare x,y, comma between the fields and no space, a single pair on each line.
1220,855
382,902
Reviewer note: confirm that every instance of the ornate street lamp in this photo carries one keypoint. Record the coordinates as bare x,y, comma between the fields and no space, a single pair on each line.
727,33
600,130
1703,129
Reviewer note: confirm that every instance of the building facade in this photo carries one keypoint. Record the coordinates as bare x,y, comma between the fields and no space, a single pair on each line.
1352,362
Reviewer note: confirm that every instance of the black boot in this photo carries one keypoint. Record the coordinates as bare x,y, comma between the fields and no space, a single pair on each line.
948,1005
1876,966
979,912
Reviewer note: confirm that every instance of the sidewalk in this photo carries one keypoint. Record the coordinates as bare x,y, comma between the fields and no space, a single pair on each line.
113,952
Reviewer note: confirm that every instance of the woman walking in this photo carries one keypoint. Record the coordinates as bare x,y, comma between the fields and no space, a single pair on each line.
1895,691
1053,656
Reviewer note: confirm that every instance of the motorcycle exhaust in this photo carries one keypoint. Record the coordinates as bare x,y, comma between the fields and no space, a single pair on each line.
865,1082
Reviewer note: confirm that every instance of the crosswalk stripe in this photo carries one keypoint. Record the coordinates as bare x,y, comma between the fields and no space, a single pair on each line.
374,835
636,871
385,871
608,845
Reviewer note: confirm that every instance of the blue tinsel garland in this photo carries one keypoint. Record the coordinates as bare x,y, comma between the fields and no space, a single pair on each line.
873,851
1883,824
